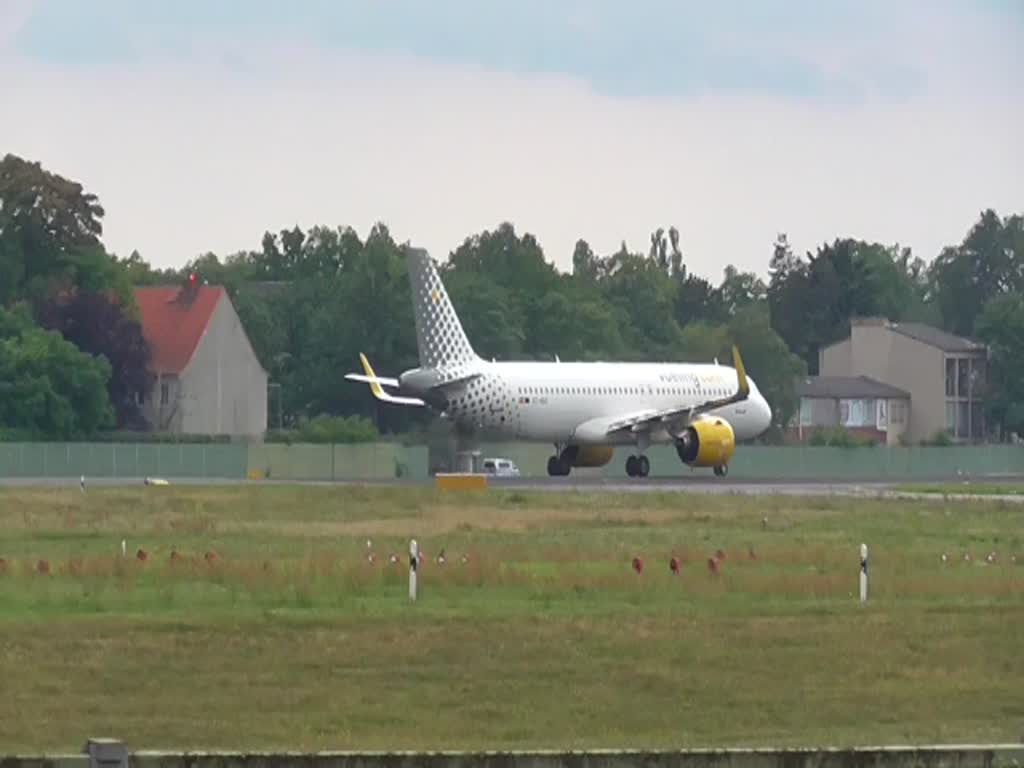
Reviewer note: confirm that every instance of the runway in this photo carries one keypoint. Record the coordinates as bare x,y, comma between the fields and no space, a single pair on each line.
867,488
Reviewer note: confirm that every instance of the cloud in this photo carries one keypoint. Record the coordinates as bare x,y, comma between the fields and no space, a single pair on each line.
801,49
219,130
14,14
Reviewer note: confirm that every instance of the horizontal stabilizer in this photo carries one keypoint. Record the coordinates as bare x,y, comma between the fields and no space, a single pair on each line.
384,382
376,383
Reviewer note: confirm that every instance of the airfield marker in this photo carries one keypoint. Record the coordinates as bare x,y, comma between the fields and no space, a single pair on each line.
863,573
413,562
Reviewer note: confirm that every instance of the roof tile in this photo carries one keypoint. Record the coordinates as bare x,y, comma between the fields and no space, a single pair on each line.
173,325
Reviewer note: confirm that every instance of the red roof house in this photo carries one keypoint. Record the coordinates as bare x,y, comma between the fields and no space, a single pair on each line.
208,379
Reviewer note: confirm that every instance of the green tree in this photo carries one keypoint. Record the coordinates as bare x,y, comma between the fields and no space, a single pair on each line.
740,289
102,328
768,360
48,388
50,232
1001,326
989,262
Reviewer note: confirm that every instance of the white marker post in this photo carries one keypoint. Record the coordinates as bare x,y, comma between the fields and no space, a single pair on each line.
414,553
124,547
863,573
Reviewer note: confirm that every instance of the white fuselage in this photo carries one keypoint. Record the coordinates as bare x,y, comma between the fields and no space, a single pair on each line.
574,402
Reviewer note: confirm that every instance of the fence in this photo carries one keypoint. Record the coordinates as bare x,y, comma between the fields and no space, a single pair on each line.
390,461
376,461
111,460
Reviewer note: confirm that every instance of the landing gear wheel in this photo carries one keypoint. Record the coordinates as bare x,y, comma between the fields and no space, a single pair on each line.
643,465
722,470
557,467
638,466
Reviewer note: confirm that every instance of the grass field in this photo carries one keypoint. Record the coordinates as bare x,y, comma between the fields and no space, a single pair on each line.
257,621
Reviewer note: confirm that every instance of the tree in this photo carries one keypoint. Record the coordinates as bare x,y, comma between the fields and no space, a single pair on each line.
584,262
50,235
47,386
812,301
1001,326
646,295
768,360
989,262
740,289
101,327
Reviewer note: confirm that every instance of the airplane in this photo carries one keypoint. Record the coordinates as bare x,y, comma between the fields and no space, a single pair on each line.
584,409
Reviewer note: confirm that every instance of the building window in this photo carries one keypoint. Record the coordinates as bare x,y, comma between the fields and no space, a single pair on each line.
963,373
896,412
806,412
857,413
950,377
165,393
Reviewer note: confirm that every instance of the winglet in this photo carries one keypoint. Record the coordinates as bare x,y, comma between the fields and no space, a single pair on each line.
741,374
374,386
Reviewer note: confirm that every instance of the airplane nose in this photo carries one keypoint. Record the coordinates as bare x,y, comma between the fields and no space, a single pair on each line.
766,413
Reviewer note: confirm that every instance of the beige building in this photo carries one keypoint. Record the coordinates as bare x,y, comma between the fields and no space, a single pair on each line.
944,374
861,405
208,380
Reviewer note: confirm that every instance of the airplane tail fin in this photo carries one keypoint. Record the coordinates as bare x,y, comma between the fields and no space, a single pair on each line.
439,335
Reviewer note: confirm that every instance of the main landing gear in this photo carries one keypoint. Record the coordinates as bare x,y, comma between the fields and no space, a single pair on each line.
721,470
558,467
638,466
561,463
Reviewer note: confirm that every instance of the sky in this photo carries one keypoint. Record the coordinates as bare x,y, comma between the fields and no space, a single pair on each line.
200,125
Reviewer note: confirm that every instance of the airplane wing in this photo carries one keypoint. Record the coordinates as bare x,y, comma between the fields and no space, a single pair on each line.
377,384
643,420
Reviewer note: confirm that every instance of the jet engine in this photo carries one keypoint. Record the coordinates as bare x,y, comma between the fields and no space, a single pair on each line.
707,442
591,455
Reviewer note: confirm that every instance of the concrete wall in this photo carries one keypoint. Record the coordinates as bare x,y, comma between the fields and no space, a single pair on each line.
165,417
911,365
834,360
224,387
956,756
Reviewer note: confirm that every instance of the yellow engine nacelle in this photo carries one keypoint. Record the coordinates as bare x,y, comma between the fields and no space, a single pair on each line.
593,455
706,442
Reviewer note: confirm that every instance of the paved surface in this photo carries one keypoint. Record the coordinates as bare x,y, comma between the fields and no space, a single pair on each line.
695,484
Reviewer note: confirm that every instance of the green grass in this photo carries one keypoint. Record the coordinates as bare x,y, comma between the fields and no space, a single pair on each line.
289,638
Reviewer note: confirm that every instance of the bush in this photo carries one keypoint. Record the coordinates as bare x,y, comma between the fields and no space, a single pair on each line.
328,429
838,437
941,438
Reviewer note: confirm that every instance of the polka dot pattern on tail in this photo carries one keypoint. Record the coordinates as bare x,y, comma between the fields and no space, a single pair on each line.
442,341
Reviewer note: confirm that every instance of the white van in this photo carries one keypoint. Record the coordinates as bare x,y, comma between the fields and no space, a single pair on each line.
500,468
